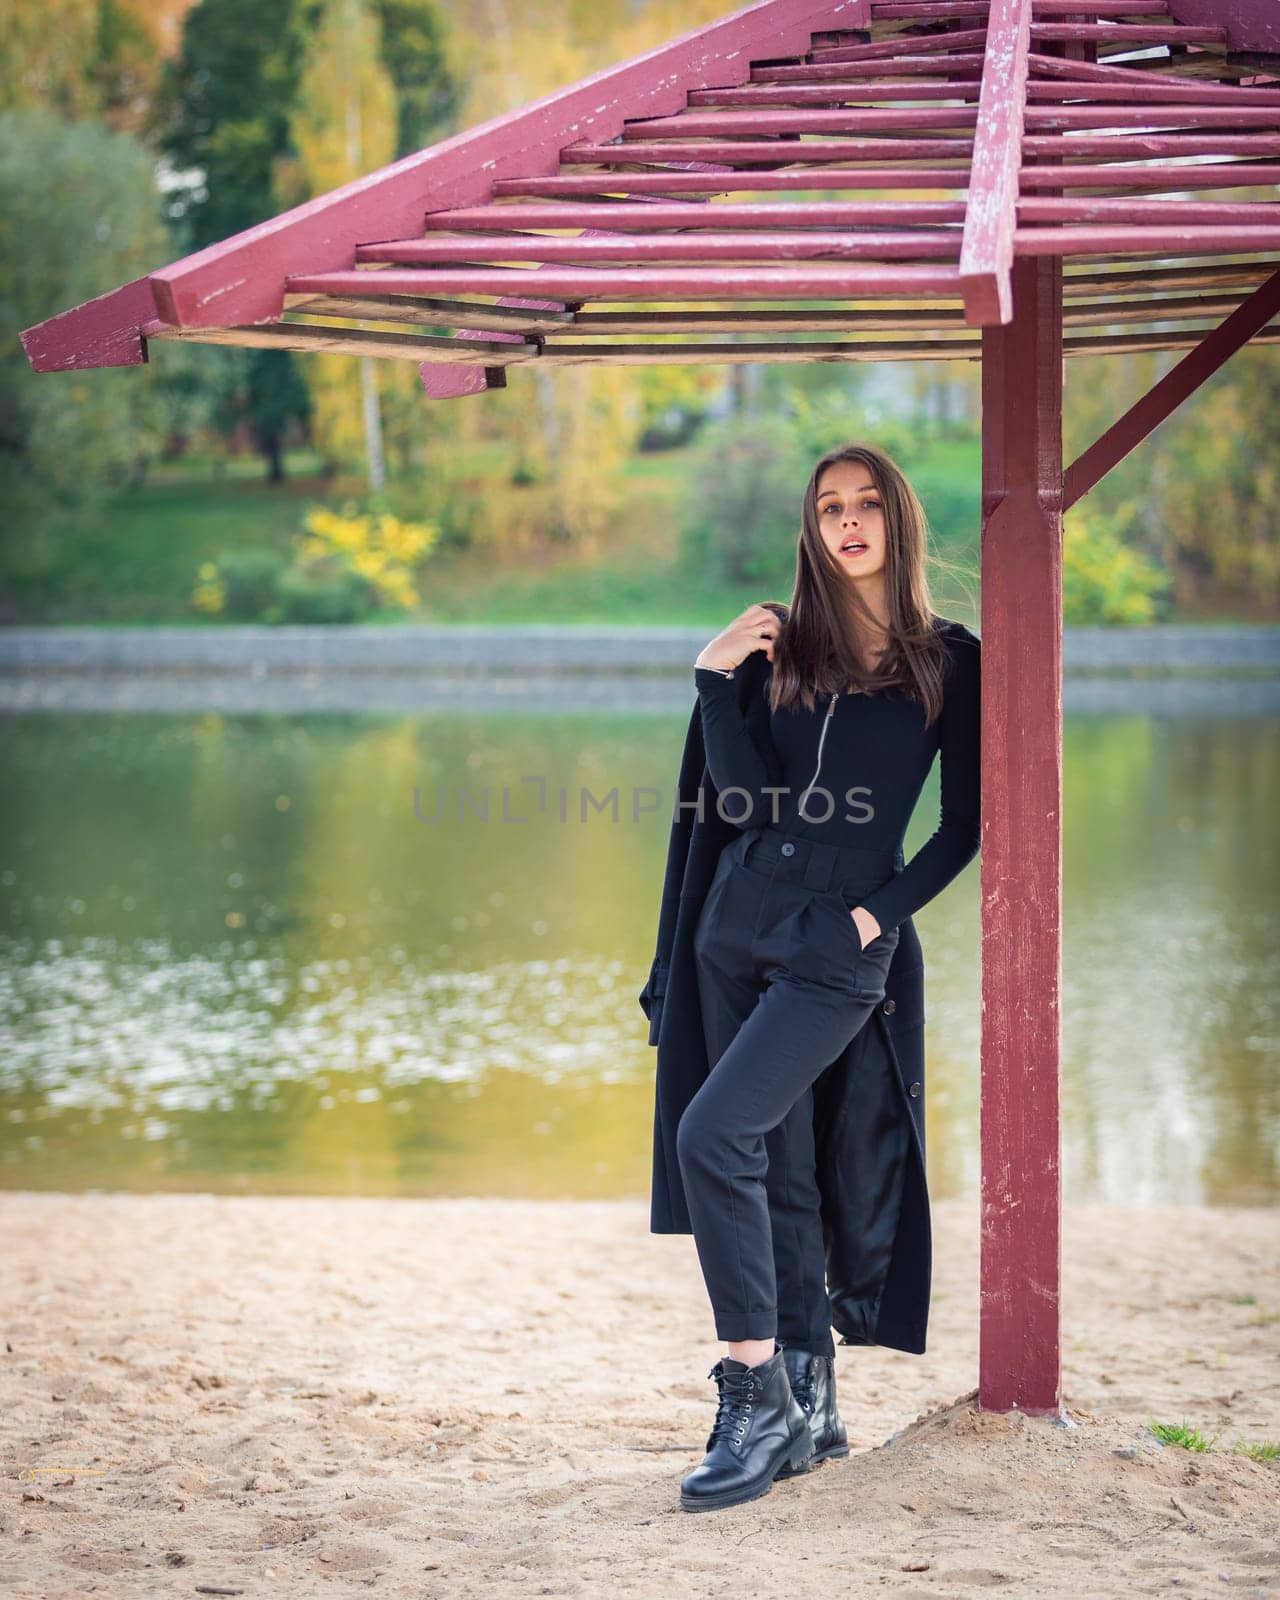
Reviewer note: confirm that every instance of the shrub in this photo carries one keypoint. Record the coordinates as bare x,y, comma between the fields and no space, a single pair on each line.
322,590
345,565
248,580
745,517
1105,580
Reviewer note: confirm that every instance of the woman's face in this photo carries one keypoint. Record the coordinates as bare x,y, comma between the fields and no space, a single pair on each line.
851,518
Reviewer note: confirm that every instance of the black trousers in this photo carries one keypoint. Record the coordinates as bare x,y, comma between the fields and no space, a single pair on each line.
783,987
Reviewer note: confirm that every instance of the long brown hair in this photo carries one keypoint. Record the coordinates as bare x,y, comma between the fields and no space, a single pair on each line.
822,646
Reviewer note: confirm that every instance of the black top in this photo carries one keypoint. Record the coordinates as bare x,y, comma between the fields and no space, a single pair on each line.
874,760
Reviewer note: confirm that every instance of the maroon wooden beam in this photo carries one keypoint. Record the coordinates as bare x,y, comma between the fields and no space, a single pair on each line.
104,332
1249,317
986,252
1021,1257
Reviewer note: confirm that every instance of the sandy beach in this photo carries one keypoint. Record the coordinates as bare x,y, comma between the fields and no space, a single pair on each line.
311,1397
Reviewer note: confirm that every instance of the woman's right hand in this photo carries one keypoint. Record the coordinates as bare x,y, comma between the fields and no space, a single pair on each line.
755,629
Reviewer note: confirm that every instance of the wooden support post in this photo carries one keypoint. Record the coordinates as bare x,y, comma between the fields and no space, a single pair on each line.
1020,1308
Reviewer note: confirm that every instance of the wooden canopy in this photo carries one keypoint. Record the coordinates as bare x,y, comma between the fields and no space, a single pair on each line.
1084,131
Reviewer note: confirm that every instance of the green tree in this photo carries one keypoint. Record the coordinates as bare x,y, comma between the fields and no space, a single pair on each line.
412,49
79,210
222,114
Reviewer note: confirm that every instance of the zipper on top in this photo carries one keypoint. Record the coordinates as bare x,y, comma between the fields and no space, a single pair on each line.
822,739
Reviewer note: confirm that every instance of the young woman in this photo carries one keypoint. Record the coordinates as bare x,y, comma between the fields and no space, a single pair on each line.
864,686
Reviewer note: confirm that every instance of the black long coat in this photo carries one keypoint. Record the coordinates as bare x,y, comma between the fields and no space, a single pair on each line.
868,1104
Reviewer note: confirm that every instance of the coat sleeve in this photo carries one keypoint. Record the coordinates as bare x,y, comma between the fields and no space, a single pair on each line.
734,759
955,841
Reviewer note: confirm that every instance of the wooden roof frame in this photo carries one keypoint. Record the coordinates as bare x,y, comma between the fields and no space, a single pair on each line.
399,246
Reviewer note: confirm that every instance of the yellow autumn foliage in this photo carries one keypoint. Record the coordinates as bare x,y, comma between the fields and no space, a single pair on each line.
381,547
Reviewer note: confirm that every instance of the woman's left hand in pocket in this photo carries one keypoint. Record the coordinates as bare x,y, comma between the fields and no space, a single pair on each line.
867,926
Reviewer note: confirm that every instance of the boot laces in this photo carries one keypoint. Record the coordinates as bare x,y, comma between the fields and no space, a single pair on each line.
737,1394
802,1388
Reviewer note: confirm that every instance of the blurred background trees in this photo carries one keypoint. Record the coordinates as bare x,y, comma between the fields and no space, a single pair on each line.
136,131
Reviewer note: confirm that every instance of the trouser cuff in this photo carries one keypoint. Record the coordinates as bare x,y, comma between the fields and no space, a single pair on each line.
738,1325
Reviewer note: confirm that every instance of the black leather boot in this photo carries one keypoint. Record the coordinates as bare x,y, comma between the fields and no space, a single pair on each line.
813,1382
758,1429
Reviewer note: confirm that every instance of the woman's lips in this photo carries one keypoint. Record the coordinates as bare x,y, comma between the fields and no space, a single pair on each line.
859,549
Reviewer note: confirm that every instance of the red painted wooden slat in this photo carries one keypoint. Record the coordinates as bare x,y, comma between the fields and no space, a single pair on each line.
748,150
1151,144
816,281
1099,72
809,94
640,184
854,119
1140,212
1145,93
626,214
918,44
987,251
686,124
761,245
1048,8
968,10
1168,116
906,66
1138,33
1111,8
1114,175
1147,240
1216,175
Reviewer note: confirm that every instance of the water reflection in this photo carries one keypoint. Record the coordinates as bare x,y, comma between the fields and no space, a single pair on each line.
234,959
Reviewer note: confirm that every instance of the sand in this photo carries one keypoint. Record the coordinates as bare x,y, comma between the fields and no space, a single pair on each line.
306,1397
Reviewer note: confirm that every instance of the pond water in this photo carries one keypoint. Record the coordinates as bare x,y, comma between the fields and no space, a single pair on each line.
241,952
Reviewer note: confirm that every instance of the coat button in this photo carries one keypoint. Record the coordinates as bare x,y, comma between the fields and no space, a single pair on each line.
788,849
889,1008
914,1089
